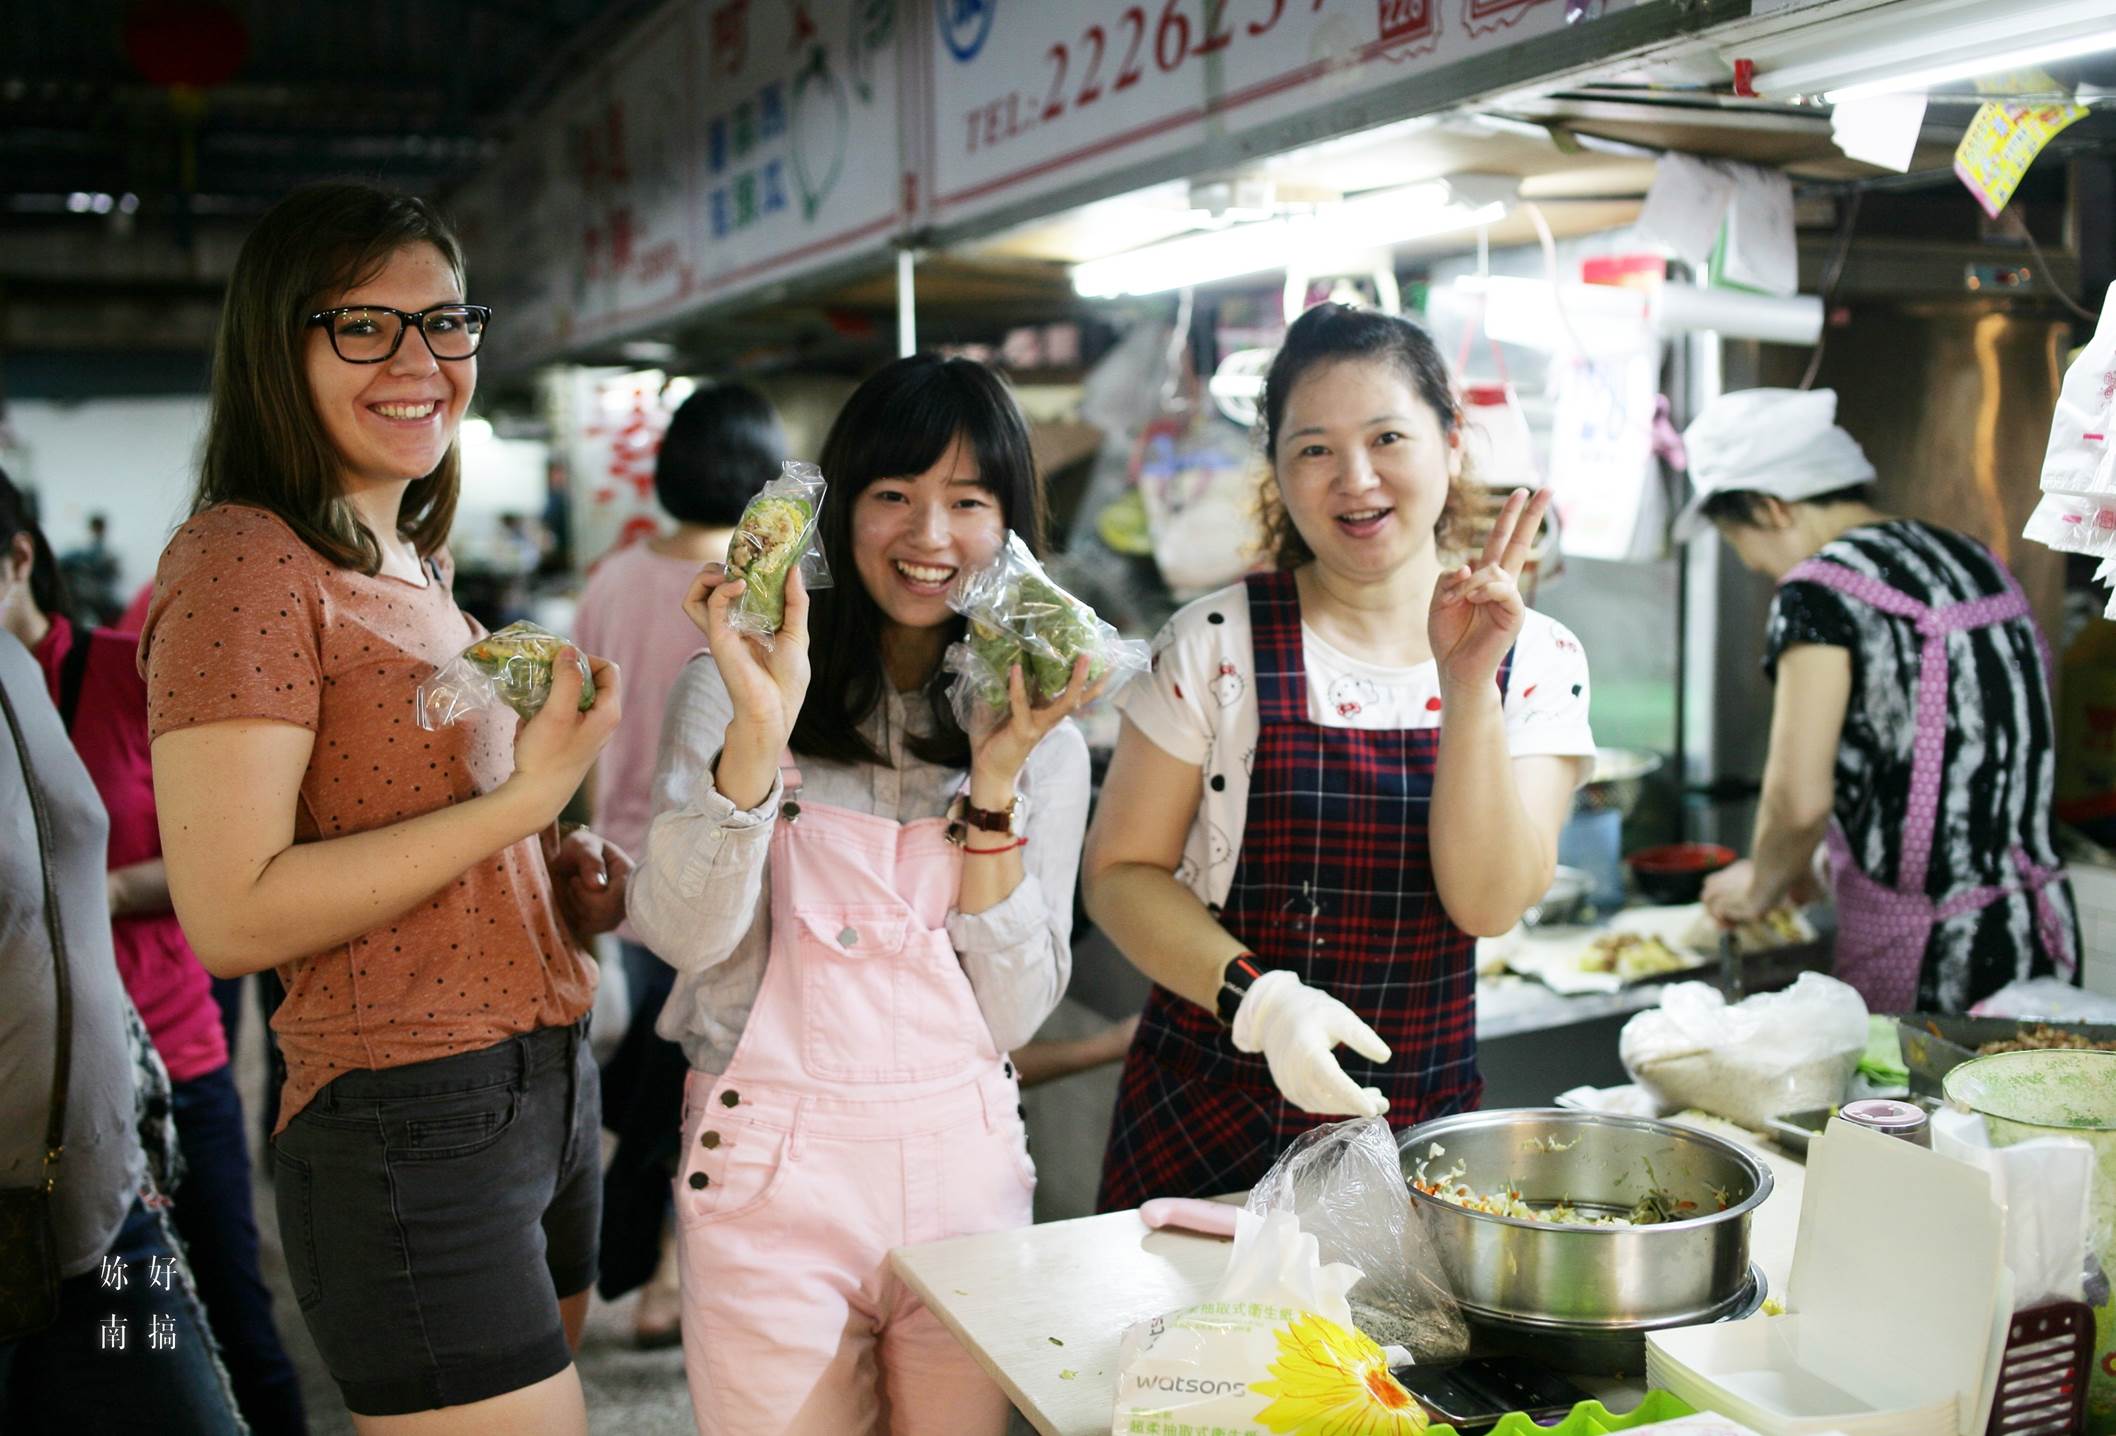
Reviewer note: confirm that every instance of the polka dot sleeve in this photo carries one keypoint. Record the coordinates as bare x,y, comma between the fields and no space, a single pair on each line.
234,627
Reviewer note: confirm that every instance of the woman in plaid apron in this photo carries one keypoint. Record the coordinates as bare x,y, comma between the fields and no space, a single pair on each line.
1342,771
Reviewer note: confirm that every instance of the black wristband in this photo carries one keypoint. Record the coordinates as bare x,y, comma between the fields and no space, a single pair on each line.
1234,984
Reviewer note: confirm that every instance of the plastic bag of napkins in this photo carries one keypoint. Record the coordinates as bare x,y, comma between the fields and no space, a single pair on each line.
1748,1062
2044,1187
1274,1353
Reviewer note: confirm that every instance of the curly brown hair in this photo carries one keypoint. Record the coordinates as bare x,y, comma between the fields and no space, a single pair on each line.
1327,334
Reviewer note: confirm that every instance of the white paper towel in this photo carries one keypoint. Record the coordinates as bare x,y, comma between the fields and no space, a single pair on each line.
2043,1187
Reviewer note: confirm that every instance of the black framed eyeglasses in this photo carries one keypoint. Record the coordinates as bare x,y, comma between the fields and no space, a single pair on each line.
370,333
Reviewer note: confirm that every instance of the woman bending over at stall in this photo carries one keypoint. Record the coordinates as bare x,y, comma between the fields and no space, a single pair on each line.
1911,727
436,1161
1340,771
852,966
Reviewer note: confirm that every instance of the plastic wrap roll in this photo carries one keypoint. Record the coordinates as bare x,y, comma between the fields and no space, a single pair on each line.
1737,314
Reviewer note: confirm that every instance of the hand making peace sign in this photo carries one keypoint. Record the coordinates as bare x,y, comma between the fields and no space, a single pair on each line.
1477,612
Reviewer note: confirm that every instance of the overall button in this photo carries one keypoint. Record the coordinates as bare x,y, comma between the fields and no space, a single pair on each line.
709,1141
728,1098
698,1181
790,811
1007,1067
850,937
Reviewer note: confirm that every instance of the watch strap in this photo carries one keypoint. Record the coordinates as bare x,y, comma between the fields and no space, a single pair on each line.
1242,970
990,820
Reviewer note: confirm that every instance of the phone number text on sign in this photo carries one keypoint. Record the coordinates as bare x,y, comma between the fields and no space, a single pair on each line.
1109,59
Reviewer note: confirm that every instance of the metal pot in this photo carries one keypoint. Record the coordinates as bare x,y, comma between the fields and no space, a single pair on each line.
1589,1278
1565,902
1619,777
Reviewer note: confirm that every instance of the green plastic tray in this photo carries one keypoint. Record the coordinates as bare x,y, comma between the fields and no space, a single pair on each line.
1589,1418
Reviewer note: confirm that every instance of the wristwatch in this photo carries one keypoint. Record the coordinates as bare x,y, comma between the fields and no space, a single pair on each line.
1007,821
1241,970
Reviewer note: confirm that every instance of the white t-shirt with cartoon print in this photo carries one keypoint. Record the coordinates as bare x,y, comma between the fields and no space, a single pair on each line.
1199,704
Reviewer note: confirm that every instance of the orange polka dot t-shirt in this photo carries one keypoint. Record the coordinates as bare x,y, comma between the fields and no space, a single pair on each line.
248,621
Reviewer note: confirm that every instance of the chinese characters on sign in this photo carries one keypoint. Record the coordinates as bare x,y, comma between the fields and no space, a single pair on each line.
746,160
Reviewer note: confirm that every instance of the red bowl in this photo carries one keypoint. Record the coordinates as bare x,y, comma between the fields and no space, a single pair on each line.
1676,872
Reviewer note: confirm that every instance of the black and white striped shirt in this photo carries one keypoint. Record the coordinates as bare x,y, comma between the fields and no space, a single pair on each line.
1999,774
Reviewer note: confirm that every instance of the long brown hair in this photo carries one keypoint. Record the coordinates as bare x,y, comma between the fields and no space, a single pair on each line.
1329,334
265,443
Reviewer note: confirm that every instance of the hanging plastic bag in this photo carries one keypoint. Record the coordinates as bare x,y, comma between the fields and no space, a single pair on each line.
777,531
2083,429
1017,615
1274,1353
510,668
1345,1183
1778,1052
1197,478
2075,523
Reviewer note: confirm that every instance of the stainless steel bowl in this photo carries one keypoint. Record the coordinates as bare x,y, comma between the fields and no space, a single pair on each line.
1619,777
1590,1278
1565,902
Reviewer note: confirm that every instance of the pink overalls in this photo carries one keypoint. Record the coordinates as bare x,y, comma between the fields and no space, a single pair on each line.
1883,932
865,1108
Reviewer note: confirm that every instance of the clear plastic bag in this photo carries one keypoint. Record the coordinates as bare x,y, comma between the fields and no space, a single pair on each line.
2046,999
777,531
1018,615
1345,1183
1778,1052
511,667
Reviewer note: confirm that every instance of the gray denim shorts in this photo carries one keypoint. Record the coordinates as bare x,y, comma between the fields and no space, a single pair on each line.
434,1214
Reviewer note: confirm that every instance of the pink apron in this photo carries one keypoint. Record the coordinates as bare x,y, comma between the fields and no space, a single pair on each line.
1883,932
865,1108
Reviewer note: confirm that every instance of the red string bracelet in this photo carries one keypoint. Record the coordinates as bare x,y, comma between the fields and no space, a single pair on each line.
1005,848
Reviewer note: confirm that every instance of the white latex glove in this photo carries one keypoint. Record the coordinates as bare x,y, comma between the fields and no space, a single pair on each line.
1296,1027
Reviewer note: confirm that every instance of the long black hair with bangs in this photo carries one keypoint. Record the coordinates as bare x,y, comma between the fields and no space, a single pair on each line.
897,425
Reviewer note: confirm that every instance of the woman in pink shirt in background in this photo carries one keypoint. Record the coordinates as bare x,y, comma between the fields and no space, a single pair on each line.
722,446
94,679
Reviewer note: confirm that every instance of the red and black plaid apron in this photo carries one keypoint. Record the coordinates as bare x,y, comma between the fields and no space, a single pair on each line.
1335,883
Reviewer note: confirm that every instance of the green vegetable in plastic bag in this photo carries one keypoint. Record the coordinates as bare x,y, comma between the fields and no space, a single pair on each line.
512,666
766,545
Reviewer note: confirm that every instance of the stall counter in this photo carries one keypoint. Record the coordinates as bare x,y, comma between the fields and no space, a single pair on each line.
1043,1308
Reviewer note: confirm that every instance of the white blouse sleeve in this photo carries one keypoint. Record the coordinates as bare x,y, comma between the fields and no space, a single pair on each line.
1548,694
1018,953
1166,704
697,887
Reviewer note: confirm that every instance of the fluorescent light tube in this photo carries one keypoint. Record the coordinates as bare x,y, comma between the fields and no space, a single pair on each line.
1913,44
1931,78
1371,222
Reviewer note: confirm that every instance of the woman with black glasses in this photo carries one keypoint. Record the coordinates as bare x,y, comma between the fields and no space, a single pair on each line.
436,1160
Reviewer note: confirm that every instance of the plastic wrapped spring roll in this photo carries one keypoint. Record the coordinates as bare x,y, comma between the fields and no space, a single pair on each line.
777,531
510,667
1017,615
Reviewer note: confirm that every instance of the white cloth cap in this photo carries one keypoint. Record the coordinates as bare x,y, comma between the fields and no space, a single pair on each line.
1781,442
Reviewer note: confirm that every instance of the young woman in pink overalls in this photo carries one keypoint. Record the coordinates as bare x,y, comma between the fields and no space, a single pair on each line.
866,908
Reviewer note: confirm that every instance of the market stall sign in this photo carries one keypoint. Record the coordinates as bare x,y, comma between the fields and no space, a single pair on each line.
1029,100
726,145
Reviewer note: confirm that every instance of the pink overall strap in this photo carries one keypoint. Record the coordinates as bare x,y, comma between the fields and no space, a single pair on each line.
1929,751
